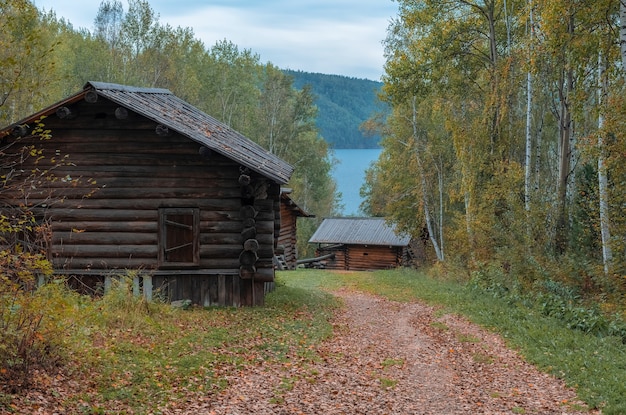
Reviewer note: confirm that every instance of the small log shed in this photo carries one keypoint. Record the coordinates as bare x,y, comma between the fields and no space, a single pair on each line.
287,254
150,183
360,244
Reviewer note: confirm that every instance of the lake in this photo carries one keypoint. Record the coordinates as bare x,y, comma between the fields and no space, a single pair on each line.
349,174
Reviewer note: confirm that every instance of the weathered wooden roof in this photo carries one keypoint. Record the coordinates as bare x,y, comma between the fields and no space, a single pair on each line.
163,107
292,205
358,231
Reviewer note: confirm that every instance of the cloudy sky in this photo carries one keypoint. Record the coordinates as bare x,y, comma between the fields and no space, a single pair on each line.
341,37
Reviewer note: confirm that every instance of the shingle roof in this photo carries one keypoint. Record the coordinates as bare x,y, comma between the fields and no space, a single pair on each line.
358,231
163,107
292,205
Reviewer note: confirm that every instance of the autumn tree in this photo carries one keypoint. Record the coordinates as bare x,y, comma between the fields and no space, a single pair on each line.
231,77
520,101
26,65
286,126
455,57
133,47
26,60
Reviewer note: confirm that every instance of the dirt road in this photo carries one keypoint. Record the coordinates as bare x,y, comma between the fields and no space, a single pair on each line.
397,358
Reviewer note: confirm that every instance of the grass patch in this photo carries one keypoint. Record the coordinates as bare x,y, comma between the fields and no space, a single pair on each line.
482,358
130,356
439,325
467,338
594,365
389,362
387,383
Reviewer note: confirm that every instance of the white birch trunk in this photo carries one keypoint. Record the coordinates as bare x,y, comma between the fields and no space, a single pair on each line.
529,101
427,213
443,254
528,157
607,254
622,34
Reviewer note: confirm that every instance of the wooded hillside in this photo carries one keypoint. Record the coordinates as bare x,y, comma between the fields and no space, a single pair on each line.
343,103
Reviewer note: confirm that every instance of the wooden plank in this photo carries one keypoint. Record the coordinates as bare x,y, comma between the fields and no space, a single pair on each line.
220,251
246,293
259,293
110,226
105,264
220,263
224,169
204,289
229,238
236,291
212,209
104,238
106,251
114,193
224,226
214,291
222,290
78,215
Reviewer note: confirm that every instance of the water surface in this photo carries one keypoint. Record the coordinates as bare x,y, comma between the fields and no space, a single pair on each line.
349,174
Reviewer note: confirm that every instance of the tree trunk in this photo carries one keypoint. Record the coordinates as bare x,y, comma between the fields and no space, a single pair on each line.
441,190
529,101
622,33
607,254
427,213
566,89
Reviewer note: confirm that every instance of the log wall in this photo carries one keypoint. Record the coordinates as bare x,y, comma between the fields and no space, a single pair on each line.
116,174
287,237
363,257
338,262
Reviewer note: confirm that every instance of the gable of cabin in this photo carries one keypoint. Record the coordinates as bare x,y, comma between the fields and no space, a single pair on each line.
360,244
126,190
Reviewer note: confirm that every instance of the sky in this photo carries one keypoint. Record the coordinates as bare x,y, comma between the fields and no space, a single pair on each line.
338,37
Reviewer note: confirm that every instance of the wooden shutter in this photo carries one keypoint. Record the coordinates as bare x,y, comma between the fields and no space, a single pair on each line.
179,237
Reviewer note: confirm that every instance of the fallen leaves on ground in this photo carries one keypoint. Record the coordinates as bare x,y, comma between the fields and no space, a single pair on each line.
385,357
391,358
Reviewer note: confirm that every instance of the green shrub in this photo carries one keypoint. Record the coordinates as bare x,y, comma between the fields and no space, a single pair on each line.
32,331
565,303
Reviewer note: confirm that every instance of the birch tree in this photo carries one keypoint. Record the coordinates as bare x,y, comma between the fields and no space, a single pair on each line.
622,34
529,108
26,60
607,254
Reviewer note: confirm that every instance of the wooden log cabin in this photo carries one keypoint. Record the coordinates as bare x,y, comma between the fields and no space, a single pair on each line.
138,179
287,255
360,244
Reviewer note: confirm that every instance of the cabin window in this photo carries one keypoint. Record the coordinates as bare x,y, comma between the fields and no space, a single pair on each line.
179,237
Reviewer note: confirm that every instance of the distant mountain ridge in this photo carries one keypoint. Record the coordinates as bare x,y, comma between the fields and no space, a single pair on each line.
343,103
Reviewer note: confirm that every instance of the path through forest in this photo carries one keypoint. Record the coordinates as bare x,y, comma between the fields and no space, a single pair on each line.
397,358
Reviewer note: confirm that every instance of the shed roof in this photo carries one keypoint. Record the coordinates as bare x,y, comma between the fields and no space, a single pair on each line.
163,107
358,231
292,205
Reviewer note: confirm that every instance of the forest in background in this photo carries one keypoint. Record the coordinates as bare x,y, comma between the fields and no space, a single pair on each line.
43,59
503,142
506,142
344,104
